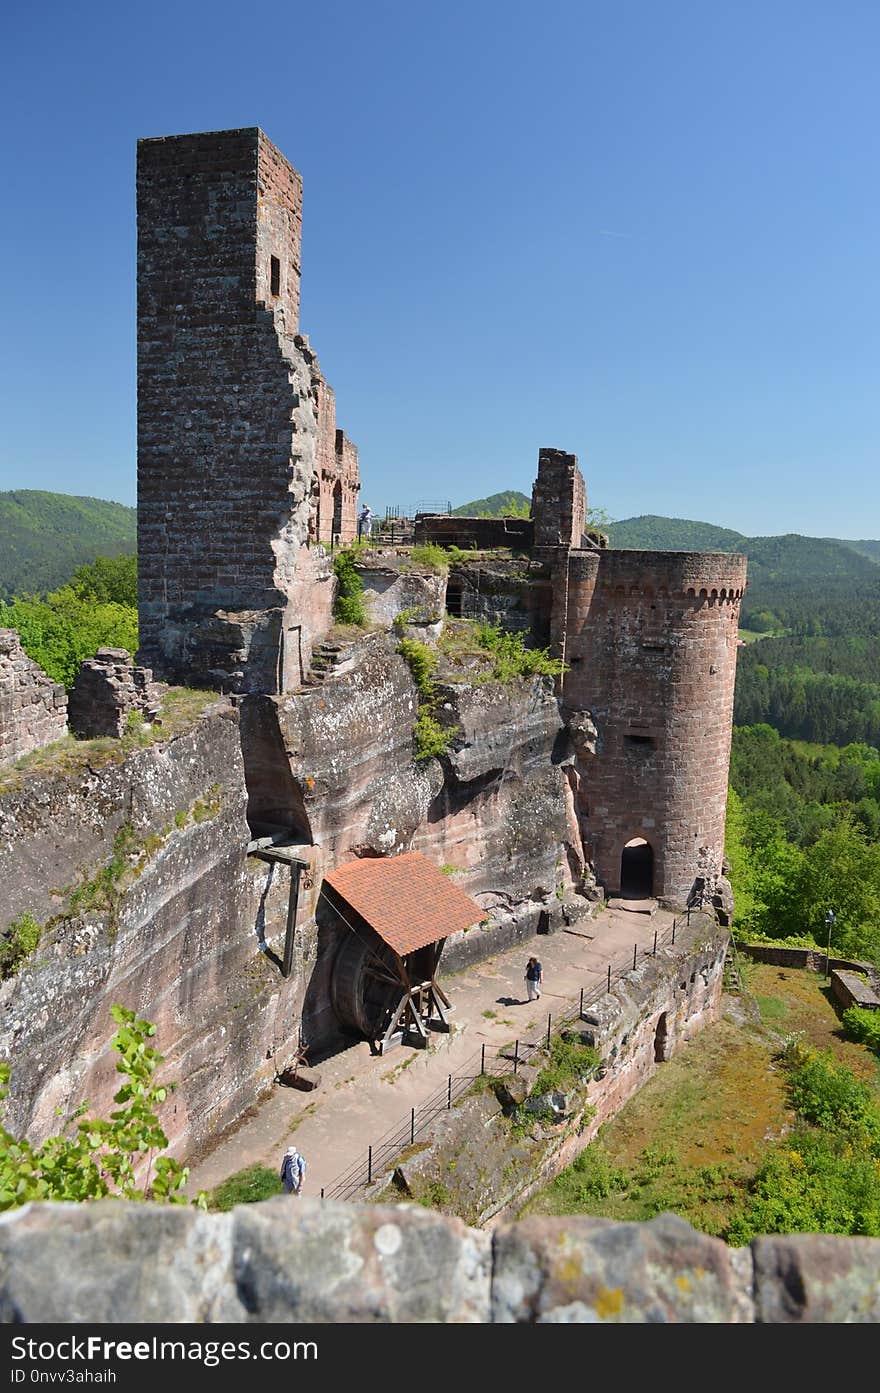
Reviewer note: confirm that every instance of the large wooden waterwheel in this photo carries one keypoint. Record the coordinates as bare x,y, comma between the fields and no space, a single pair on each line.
394,915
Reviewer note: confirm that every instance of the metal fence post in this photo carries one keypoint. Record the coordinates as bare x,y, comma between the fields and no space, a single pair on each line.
369,1164
609,977
655,943
515,1055
581,1012
549,1019
483,1058
449,1093
674,922
635,951
322,1192
412,1125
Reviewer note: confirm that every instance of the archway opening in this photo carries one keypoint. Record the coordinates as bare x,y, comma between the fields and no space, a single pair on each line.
637,870
660,1035
337,508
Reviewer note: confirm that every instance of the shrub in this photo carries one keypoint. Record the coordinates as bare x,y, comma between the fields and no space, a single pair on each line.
863,1026
510,656
570,1063
348,606
431,738
99,1158
18,942
422,663
430,557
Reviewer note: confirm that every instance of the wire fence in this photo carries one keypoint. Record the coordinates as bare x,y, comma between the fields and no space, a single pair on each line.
497,1061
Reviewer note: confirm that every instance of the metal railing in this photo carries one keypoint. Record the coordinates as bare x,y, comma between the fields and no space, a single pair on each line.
387,1148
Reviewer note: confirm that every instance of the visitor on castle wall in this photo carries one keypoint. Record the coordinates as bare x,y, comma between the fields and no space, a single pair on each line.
534,978
365,522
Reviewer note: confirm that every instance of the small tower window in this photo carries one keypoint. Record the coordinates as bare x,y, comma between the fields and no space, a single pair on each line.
275,275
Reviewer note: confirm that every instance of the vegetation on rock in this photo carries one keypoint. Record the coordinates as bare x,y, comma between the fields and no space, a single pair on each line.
348,606
101,1156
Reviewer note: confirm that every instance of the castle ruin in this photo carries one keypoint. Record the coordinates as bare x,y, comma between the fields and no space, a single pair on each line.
552,793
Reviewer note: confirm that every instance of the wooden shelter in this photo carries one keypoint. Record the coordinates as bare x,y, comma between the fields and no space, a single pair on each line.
397,913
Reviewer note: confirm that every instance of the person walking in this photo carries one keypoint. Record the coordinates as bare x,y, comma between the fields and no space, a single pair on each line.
365,522
534,977
293,1170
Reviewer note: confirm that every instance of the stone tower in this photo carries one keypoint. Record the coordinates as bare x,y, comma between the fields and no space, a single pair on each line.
650,640
237,438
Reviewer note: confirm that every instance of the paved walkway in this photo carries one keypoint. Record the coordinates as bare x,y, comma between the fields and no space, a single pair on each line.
361,1095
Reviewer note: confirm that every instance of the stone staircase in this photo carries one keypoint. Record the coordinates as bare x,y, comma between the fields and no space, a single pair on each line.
328,660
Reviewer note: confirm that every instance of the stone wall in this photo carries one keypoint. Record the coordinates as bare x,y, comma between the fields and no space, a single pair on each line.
310,1261
474,534
231,426
33,708
559,500
108,690
650,641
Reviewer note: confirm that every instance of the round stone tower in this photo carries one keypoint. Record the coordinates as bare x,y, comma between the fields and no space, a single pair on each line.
650,642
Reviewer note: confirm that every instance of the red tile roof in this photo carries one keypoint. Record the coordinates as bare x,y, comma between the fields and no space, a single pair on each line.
407,899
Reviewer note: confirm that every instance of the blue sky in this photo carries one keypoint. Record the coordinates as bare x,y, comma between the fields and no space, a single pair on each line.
644,232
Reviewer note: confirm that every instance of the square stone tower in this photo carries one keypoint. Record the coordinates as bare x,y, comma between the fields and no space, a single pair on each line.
229,438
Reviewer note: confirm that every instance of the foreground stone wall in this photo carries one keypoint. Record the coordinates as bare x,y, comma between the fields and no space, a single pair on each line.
312,1261
33,708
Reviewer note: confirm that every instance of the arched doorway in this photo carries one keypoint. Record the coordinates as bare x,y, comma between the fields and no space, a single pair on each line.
337,509
637,870
660,1036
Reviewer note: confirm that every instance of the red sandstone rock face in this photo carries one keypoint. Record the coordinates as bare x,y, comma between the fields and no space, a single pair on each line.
181,945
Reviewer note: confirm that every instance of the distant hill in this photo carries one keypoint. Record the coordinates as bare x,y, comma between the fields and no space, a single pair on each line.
869,549
45,536
497,505
650,533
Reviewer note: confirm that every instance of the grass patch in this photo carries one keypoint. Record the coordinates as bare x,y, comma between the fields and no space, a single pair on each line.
772,1008
427,556
17,943
246,1187
70,757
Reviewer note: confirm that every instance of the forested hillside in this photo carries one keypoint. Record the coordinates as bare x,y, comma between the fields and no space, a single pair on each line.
510,504
45,536
651,533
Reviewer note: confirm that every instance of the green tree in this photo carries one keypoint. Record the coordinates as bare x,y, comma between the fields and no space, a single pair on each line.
108,580
101,1156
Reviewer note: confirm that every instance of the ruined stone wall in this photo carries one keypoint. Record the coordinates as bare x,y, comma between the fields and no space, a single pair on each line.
514,594
477,534
107,691
651,640
33,708
348,471
559,500
320,1261
230,434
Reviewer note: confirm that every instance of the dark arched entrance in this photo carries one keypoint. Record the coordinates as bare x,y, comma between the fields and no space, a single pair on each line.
637,870
337,509
660,1036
